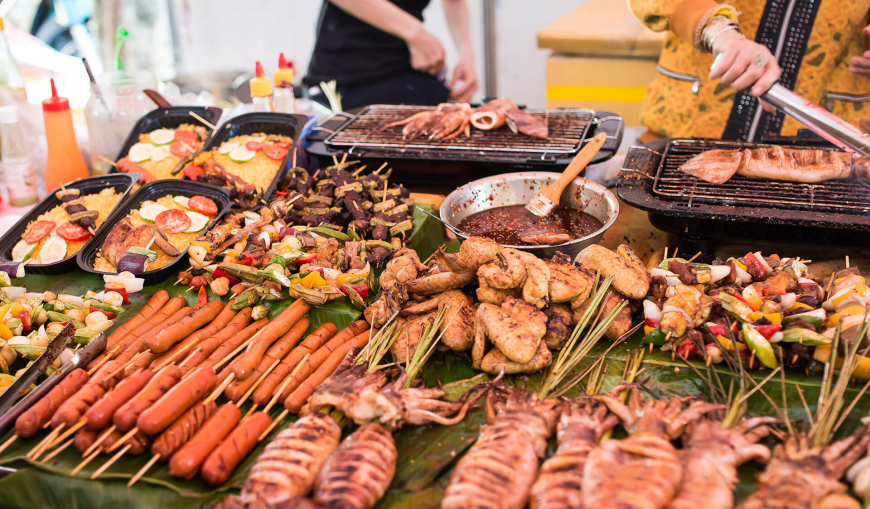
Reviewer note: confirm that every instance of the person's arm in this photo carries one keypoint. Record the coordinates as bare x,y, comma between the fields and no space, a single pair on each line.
456,12
427,54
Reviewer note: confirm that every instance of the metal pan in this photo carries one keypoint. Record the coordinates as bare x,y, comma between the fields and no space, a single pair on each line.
518,189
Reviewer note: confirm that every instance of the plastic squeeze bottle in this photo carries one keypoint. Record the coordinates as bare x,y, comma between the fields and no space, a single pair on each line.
261,89
15,160
64,162
284,100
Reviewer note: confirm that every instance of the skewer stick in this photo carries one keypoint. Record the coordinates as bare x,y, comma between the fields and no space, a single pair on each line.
107,160
204,121
378,171
8,442
121,441
693,258
665,254
69,432
188,147
112,460
280,417
144,469
194,352
344,158
847,261
236,351
294,157
252,410
104,360
129,363
102,438
334,160
169,360
257,383
286,382
386,186
221,388
675,251
47,440
85,462
357,172
58,450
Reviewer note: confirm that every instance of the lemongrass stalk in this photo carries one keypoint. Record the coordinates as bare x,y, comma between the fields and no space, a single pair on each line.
425,346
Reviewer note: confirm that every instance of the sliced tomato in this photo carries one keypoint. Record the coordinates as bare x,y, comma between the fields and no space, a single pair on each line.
202,205
282,144
73,232
39,231
254,146
172,221
276,153
180,149
188,137
190,171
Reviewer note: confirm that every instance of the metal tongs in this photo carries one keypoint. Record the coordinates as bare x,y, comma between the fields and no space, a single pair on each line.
821,121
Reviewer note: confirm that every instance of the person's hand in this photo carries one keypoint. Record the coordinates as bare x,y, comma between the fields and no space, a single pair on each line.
861,64
427,54
743,63
463,72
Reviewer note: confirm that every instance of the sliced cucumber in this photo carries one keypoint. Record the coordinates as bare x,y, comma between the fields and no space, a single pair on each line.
140,152
151,211
162,136
242,155
22,251
160,153
228,147
53,250
182,200
197,221
253,216
258,139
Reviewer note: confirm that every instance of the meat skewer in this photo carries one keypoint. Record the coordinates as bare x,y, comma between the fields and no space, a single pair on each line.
774,163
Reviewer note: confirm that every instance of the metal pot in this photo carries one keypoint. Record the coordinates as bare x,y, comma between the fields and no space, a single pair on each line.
518,189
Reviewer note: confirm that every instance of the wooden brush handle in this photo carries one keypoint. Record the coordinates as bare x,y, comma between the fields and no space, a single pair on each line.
554,191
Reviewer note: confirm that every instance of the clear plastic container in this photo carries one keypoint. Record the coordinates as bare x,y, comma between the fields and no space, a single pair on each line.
117,102
15,162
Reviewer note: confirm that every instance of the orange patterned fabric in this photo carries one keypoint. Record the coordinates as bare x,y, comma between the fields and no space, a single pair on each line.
671,109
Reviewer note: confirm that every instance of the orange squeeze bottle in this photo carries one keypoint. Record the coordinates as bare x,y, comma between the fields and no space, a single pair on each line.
64,162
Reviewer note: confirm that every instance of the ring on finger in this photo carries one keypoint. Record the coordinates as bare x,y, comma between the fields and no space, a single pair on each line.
759,60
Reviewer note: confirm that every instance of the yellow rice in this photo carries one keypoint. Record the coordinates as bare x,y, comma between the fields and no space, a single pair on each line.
162,169
179,240
259,171
103,202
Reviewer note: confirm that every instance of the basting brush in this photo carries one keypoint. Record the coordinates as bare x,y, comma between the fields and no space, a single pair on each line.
543,202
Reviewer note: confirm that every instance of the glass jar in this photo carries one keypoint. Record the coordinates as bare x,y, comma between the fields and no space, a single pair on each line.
116,104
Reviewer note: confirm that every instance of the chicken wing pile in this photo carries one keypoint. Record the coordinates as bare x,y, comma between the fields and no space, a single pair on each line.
508,307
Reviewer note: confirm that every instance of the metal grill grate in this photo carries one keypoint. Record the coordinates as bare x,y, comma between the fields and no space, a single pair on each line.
738,191
567,130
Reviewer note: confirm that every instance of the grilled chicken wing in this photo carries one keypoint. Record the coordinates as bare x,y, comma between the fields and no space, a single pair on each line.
486,293
630,276
568,283
458,327
450,271
123,237
496,362
516,329
412,328
559,325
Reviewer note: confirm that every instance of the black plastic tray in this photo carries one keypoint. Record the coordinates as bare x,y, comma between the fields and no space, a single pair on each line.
120,182
88,255
168,118
284,124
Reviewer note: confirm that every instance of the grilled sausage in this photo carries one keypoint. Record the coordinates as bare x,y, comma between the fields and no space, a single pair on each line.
84,439
282,323
182,430
126,416
190,323
221,463
139,442
176,401
71,410
34,418
125,165
100,414
186,461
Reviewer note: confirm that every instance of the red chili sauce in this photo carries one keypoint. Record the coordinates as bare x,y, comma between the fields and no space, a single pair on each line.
515,226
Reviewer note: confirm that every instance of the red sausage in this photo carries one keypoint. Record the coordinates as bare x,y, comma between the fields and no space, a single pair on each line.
226,457
71,410
126,416
100,414
182,430
34,418
186,462
176,401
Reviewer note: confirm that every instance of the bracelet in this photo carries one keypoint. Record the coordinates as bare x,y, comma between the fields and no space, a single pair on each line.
714,27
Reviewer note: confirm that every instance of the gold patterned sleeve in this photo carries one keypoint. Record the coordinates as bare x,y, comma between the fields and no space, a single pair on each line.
685,18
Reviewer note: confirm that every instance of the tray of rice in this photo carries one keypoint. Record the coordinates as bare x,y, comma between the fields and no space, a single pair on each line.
248,155
48,238
164,141
150,234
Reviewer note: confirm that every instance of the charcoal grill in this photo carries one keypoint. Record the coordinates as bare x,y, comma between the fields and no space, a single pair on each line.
696,211
442,166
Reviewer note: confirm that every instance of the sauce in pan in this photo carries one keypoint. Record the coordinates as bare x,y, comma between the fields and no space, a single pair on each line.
515,226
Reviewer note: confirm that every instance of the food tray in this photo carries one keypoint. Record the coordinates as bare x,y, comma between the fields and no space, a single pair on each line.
88,255
168,118
284,124
119,181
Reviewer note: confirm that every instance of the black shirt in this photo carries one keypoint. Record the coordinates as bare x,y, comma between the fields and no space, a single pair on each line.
351,51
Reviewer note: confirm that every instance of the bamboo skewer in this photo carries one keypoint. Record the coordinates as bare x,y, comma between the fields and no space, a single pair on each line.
217,392
121,441
257,383
283,414
45,441
693,258
69,432
85,462
127,364
172,357
236,351
251,410
57,451
107,160
112,460
104,360
143,470
204,121
344,158
278,419
102,438
8,443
